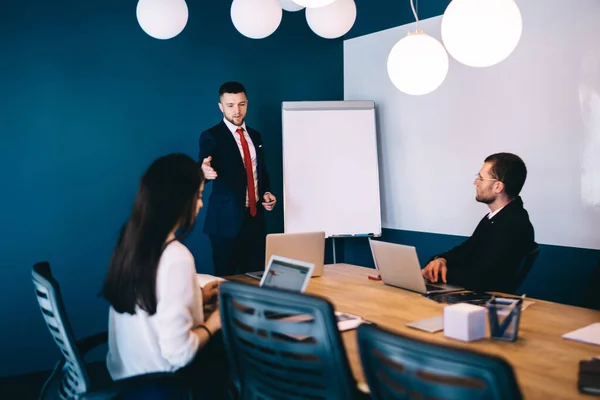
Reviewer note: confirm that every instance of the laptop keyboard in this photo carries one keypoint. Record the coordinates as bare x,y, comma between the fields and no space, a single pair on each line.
256,275
431,287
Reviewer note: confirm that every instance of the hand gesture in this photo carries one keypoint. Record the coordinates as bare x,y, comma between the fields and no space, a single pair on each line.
207,170
269,201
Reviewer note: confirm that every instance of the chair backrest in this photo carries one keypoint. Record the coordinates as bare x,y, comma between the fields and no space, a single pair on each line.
283,345
398,367
526,266
47,291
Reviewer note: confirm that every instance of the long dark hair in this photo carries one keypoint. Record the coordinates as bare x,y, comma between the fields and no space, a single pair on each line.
166,198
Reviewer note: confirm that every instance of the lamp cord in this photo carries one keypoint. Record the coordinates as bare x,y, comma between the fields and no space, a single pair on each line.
412,5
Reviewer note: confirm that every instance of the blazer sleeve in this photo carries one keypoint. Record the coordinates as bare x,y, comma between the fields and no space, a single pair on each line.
457,256
266,179
207,145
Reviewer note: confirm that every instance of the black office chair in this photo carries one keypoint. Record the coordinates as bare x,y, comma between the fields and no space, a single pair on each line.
70,378
398,367
526,267
284,345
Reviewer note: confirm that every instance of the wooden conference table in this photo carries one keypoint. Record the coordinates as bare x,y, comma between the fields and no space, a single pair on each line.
546,365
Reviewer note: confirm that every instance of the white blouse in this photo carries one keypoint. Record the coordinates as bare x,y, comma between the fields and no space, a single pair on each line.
141,343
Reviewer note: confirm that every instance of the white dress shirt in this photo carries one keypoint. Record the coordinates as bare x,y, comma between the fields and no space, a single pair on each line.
252,149
143,343
491,214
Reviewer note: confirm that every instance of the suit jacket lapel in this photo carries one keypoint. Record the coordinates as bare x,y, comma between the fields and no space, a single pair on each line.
232,147
253,137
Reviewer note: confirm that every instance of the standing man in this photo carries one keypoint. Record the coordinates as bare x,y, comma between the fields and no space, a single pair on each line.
232,157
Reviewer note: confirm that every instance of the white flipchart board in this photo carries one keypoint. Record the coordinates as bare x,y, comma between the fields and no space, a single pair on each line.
330,168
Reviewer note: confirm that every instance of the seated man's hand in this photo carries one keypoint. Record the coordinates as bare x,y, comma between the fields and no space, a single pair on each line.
436,268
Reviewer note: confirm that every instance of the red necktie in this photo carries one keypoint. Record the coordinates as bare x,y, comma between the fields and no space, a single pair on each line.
249,174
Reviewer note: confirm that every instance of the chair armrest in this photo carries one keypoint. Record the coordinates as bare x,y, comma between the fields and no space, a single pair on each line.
86,344
152,381
51,378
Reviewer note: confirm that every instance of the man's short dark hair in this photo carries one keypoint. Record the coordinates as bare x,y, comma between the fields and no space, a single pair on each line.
509,169
232,87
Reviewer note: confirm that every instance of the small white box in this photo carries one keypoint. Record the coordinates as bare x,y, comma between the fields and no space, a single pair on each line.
464,322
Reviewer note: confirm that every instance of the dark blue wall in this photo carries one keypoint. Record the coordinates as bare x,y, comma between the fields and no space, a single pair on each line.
87,101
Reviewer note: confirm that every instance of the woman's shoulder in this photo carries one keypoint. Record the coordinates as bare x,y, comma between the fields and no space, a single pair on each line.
176,252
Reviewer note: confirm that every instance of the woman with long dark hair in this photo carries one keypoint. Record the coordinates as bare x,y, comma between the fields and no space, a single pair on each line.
156,320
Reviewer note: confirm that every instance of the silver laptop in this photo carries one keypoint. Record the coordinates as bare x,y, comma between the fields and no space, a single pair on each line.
304,246
399,266
294,275
286,273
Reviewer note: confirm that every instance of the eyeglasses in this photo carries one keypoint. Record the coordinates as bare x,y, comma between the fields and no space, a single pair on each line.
478,177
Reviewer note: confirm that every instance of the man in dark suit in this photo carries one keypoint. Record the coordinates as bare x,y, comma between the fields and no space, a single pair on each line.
232,157
491,257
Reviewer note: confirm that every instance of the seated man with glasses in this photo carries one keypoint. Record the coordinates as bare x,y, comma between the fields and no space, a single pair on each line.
490,258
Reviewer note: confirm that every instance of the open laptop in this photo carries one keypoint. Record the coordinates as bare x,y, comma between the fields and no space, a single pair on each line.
399,266
305,246
287,273
294,275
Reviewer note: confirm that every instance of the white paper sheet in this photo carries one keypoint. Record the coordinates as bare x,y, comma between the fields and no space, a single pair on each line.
589,334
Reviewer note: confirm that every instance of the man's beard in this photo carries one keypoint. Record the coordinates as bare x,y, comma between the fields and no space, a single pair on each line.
235,123
484,200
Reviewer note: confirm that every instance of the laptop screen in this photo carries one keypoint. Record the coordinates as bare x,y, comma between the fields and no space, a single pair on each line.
286,274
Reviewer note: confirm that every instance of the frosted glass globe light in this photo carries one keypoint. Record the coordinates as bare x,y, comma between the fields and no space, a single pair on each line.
256,19
313,3
332,21
162,19
481,33
417,64
289,5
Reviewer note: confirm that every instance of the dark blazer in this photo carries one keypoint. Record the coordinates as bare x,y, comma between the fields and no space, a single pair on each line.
491,257
227,202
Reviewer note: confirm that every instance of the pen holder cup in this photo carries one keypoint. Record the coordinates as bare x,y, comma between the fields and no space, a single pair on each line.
504,316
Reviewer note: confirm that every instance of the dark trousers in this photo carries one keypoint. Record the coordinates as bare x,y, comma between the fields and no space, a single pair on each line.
208,375
244,252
